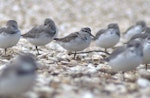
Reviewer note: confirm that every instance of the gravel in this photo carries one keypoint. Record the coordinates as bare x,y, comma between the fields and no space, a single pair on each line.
89,76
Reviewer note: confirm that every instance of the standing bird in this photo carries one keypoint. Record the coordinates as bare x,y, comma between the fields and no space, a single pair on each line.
107,38
127,57
9,35
76,41
42,34
18,76
138,28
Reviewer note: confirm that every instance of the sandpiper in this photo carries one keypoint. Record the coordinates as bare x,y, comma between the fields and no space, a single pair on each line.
42,34
18,76
107,38
138,28
127,57
9,35
145,38
146,51
76,41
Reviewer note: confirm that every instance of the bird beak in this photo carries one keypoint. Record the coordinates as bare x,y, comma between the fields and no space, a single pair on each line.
93,36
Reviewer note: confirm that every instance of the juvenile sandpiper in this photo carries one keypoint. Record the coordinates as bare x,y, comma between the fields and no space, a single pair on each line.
42,34
76,41
107,38
9,35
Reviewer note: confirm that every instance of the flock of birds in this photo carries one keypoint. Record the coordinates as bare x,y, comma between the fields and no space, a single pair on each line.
20,74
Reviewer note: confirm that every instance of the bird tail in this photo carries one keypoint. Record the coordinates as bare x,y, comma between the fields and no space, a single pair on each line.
24,35
56,39
106,59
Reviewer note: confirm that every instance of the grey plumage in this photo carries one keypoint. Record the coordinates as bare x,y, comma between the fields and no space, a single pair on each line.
119,50
74,35
115,53
47,28
138,23
18,66
12,27
68,38
18,76
99,33
110,27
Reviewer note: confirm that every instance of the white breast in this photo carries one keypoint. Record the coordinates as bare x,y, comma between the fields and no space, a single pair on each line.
132,32
107,40
40,41
16,85
9,40
125,62
77,44
146,52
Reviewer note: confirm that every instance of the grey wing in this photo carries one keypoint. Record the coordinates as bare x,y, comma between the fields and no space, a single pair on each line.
33,33
129,29
116,52
50,31
141,36
99,33
2,30
11,31
69,37
8,31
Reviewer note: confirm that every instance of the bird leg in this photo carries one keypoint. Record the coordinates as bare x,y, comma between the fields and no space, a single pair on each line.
105,50
146,66
75,55
5,51
37,50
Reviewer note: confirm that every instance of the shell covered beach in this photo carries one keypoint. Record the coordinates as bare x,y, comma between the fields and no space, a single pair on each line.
59,75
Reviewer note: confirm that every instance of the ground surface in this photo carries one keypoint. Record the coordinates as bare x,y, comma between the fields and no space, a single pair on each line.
87,77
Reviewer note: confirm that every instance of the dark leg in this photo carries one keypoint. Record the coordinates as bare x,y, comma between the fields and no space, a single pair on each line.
37,50
5,51
123,77
75,55
105,50
146,65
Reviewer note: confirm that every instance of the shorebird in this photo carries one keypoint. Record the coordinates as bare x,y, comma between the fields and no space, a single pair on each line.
107,38
76,41
9,35
42,34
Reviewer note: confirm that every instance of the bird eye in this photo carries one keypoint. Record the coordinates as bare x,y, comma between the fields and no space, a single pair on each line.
131,50
137,45
129,45
13,26
148,38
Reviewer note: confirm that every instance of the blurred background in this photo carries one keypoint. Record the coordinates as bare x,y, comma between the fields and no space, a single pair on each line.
71,15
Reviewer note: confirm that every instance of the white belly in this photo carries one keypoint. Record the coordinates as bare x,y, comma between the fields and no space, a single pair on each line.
7,41
146,52
107,41
125,63
41,41
16,86
76,45
131,33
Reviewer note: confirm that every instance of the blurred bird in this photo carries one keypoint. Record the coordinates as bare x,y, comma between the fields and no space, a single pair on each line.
76,41
127,57
138,28
18,76
107,38
9,35
145,38
42,34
